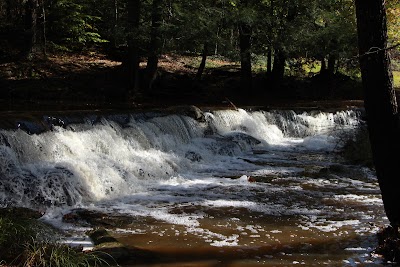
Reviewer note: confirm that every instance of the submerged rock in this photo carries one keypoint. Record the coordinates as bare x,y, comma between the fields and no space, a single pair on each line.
108,247
193,156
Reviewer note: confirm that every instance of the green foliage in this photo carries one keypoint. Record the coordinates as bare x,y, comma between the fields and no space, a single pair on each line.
329,29
42,254
396,79
393,18
72,25
193,23
302,30
29,243
11,231
213,62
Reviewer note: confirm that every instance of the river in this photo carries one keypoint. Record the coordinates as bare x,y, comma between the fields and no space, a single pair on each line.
232,188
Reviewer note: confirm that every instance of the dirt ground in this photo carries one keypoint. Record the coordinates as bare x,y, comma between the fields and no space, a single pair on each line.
93,81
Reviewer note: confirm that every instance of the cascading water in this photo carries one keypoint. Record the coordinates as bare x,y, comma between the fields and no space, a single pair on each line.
188,173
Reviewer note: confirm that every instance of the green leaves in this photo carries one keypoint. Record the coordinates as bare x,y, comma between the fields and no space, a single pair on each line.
393,19
72,24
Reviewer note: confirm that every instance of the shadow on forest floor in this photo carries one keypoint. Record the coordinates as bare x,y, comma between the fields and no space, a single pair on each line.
70,82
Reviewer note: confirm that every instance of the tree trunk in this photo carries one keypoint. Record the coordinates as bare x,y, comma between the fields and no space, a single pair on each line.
380,101
155,44
278,69
270,47
216,42
269,60
132,60
8,10
44,38
323,66
31,17
115,26
203,62
245,32
331,64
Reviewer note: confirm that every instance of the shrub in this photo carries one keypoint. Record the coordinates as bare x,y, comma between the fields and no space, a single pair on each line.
13,236
42,254
27,242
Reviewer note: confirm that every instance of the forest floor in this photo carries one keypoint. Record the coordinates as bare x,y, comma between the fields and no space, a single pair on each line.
94,81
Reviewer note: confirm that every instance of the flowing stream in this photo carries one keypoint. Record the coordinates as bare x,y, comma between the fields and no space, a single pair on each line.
234,188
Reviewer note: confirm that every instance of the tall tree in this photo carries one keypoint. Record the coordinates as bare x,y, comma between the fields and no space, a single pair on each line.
270,37
155,43
245,32
202,66
380,101
133,55
33,22
245,24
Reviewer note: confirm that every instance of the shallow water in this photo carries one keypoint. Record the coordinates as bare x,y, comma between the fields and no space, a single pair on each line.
241,188
329,220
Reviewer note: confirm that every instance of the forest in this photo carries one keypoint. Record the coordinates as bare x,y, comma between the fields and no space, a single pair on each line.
97,52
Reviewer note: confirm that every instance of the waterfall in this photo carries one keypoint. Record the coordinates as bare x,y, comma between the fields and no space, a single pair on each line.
70,162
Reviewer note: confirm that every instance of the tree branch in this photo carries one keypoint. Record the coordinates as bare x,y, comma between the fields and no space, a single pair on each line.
374,50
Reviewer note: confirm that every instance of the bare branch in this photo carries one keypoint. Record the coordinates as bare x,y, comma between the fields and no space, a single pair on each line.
374,50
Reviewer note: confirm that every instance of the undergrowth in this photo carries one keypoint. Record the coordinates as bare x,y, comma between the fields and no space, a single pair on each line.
25,243
42,254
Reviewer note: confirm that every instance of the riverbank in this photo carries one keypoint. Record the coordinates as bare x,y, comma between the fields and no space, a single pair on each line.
95,82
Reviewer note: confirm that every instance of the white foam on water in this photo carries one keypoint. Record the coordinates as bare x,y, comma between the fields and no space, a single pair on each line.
153,166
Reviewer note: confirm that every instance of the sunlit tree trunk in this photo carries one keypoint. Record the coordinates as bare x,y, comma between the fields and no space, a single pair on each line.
269,59
270,48
380,101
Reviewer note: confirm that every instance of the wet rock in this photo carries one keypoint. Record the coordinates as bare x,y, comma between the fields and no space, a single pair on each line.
193,156
101,236
107,247
243,137
96,219
190,111
52,122
21,213
30,127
